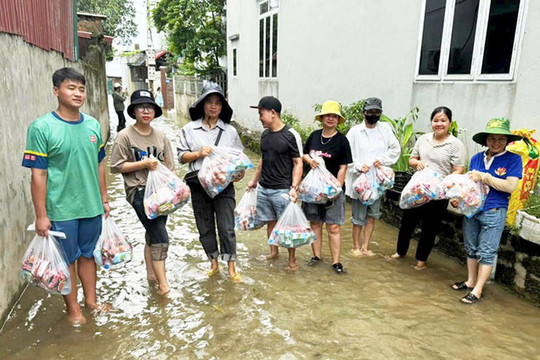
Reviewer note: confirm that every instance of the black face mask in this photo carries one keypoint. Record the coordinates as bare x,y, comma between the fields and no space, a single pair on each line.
372,119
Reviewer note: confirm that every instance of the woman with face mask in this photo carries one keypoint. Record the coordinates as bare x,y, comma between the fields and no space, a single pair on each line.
501,171
445,154
373,143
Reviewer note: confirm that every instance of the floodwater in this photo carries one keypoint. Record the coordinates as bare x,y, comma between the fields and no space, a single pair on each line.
378,309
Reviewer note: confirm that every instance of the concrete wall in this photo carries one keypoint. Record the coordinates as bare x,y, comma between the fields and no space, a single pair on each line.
25,94
349,50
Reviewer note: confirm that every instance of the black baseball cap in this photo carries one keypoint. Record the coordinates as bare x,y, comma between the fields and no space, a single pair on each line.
268,103
373,103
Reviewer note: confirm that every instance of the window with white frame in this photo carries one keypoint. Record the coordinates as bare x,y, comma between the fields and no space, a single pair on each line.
268,34
469,39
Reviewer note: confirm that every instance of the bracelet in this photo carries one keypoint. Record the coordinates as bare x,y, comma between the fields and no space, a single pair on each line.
294,187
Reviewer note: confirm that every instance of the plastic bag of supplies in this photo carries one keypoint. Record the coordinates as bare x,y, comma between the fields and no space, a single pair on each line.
112,247
292,229
423,187
319,186
470,194
245,214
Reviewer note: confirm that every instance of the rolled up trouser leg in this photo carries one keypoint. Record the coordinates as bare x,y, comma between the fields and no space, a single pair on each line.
159,251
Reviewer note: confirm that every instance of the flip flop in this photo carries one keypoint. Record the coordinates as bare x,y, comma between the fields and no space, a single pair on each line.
236,278
470,299
211,273
460,285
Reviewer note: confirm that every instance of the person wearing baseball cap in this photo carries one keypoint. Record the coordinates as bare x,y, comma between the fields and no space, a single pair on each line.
279,171
501,171
118,101
130,156
209,129
373,144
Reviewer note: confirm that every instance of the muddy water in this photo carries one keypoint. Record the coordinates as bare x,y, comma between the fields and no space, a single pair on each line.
379,309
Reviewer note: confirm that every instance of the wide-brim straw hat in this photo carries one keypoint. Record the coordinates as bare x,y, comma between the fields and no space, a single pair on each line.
143,97
196,111
498,126
331,107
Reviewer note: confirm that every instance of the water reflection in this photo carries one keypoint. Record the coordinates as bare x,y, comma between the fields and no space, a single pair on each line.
379,309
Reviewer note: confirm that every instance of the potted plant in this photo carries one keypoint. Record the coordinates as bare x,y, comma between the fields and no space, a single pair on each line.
406,136
528,219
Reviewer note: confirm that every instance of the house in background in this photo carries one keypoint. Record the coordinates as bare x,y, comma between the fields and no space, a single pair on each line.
479,57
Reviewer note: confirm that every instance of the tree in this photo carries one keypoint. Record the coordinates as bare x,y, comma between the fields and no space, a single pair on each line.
196,31
120,17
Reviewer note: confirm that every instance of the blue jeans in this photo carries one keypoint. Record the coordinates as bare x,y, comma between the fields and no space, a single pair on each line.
482,235
271,203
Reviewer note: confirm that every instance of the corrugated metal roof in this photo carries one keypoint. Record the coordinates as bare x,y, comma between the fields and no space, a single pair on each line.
47,24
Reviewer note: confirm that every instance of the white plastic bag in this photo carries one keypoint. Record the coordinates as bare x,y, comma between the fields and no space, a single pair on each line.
112,247
470,194
423,187
371,185
164,192
44,266
292,229
319,186
223,166
245,214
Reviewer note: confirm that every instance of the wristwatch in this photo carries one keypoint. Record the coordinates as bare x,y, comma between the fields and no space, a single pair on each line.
294,187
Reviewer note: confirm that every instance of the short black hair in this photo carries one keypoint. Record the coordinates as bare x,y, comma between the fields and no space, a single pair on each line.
67,73
442,109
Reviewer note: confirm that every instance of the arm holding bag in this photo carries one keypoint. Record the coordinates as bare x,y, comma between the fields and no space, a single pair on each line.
164,192
44,266
245,214
470,194
223,166
112,247
292,229
319,186
423,187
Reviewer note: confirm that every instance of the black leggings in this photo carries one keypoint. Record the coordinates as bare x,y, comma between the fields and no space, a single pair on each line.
430,215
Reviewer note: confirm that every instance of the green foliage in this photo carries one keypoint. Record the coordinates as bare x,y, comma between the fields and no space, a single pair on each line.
404,131
294,122
120,17
532,206
196,32
353,114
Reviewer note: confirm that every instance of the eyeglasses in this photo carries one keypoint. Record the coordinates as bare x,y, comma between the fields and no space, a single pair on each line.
144,107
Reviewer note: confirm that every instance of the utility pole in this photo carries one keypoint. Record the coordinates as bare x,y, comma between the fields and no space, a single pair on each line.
150,52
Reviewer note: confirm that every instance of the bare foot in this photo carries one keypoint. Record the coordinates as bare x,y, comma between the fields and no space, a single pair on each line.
368,253
100,307
292,266
76,319
151,279
164,291
357,253
395,256
272,256
420,267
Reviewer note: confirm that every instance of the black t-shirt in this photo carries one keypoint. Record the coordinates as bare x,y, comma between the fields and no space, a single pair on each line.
335,151
278,148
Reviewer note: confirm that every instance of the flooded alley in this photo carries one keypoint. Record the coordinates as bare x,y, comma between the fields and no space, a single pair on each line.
378,309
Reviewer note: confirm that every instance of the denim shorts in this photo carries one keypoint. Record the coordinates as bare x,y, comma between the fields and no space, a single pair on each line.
482,235
332,212
81,237
271,203
361,212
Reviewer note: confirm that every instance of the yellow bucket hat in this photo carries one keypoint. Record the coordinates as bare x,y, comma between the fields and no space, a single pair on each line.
331,107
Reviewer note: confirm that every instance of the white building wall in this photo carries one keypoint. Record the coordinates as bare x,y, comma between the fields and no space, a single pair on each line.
350,50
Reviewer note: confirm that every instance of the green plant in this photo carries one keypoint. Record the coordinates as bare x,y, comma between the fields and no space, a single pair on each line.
353,114
532,206
404,131
294,122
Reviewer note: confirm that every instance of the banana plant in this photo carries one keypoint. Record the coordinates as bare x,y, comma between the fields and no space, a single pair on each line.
404,130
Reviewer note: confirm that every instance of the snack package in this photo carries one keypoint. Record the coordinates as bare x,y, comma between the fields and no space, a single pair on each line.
112,248
164,192
319,186
223,166
44,266
423,187
371,185
245,214
292,229
471,194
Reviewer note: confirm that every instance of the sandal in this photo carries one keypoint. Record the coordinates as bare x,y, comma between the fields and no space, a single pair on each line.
211,273
314,260
236,278
460,285
470,298
338,268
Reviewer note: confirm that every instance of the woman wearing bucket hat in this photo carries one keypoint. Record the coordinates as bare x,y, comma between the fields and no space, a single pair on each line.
501,171
372,143
210,126
445,154
332,146
130,157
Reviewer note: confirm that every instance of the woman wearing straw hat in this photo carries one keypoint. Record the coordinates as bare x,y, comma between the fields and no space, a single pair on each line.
130,157
332,146
210,126
501,171
372,143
